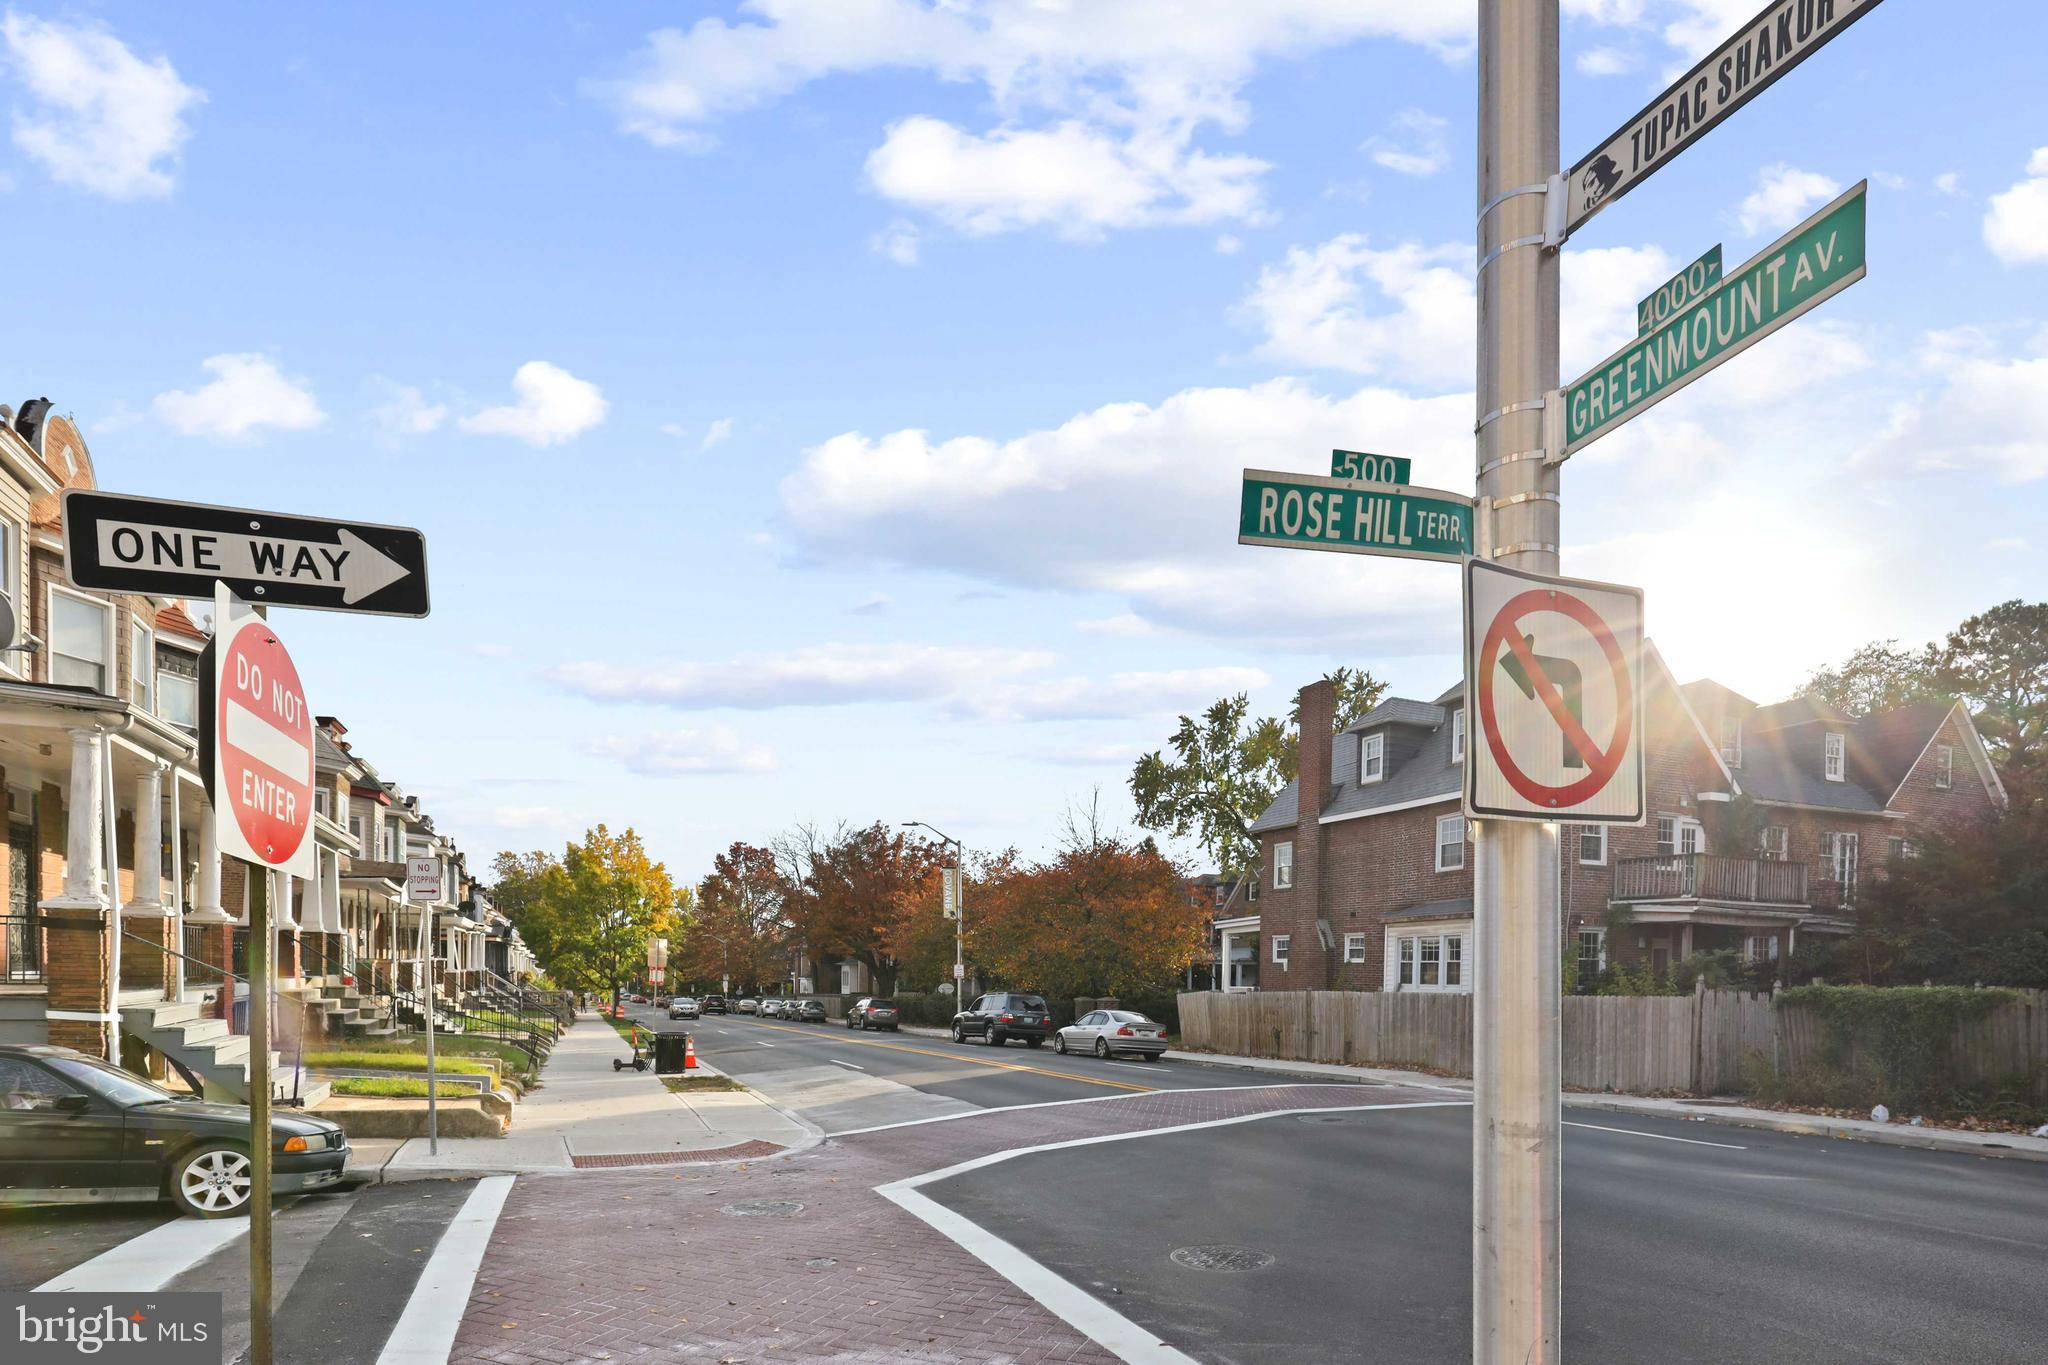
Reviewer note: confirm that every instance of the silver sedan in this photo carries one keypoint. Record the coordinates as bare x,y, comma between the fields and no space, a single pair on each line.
1105,1032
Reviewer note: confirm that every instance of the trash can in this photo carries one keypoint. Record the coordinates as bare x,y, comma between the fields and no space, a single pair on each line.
668,1053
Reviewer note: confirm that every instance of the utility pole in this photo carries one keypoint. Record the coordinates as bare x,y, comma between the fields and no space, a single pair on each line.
1516,1016
958,888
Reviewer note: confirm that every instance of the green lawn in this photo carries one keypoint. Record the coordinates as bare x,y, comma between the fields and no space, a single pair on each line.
396,1087
368,1059
512,1059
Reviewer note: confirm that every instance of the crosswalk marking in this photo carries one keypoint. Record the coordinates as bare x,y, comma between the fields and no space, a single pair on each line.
151,1261
426,1331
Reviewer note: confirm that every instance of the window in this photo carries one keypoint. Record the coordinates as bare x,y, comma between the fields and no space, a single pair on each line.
1592,956
1944,766
177,699
1760,948
141,665
1900,848
1458,735
1450,843
1354,947
1676,835
355,829
1283,944
1731,741
1771,842
1372,757
81,641
1833,761
1839,851
1667,835
1430,962
1283,865
1593,845
323,802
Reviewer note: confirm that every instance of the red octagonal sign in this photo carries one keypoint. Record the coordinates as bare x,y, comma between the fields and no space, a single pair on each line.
263,748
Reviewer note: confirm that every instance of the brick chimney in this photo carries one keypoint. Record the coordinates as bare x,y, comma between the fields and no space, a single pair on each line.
1312,963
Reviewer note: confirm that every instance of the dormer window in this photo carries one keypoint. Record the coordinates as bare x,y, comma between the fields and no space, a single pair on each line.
1731,741
1944,766
1458,735
1834,759
1372,757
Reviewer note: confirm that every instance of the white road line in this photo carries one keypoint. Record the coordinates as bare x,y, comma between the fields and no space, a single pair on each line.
147,1263
836,1062
1085,1099
1136,1065
1073,1305
1661,1137
426,1330
764,1044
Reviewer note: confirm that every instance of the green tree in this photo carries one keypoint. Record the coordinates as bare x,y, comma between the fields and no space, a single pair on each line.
594,911
1997,661
1226,768
1877,677
1735,827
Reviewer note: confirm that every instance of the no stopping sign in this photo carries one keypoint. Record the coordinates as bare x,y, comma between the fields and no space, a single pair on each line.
1553,676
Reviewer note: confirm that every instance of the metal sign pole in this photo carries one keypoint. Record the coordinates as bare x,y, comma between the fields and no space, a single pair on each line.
1516,1015
427,973
260,883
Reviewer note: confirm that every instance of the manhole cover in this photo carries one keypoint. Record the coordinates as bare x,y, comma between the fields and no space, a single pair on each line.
1228,1259
763,1208
820,1262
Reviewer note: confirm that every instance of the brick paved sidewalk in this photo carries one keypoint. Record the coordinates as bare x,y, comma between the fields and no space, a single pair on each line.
796,1258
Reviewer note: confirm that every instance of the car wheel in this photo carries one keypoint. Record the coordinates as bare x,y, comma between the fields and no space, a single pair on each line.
1034,1042
996,1038
212,1182
1059,1043
1149,1056
1102,1048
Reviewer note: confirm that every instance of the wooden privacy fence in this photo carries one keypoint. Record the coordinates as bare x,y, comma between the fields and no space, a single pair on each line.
1706,1043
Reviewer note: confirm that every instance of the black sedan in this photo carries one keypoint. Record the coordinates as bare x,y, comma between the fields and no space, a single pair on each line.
1000,1016
74,1129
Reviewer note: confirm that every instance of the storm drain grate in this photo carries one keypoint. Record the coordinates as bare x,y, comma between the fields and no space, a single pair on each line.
1227,1259
763,1208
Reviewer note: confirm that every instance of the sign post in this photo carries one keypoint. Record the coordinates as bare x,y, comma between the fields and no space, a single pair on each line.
423,888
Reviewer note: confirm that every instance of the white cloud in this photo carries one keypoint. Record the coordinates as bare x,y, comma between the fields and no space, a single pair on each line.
685,753
1606,61
550,406
1783,195
1417,148
1949,182
1408,311
99,117
1619,12
1089,755
405,411
821,675
247,393
2016,223
1128,623
1121,695
899,242
1229,244
1703,24
1123,87
718,433
1985,411
1072,177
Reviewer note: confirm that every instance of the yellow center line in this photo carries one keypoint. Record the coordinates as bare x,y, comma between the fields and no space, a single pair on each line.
975,1061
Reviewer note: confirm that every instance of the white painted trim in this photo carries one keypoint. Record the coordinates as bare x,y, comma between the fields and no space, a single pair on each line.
1365,741
81,1016
426,1330
51,592
1076,1307
1388,810
145,1264
1437,845
1712,745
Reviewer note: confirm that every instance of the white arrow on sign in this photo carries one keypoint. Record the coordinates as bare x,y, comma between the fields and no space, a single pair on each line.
353,565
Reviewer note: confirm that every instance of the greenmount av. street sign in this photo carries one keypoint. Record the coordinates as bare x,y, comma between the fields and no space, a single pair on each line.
1810,264
1676,292
1309,512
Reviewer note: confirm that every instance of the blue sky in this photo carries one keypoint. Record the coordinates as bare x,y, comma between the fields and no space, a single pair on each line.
833,409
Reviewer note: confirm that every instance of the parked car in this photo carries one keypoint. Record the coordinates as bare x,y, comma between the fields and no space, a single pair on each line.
714,1004
1104,1032
661,1002
771,1008
874,1012
1000,1016
809,1012
75,1129
748,1007
637,999
683,1007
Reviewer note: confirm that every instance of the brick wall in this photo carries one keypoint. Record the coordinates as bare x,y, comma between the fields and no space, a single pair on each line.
1382,863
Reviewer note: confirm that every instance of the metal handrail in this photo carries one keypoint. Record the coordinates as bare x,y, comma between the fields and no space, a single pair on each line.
297,1099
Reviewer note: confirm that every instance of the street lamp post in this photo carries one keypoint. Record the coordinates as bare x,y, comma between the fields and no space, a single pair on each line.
959,904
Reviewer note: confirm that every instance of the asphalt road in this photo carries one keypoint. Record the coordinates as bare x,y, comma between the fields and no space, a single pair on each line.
1730,1246
763,1052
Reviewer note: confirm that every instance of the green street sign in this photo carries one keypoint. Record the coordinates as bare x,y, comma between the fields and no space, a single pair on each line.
1807,266
1309,512
1356,464
1676,292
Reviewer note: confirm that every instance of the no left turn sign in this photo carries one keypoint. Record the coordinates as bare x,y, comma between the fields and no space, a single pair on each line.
1553,677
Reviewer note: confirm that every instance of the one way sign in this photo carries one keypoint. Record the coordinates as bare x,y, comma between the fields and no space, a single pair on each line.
116,543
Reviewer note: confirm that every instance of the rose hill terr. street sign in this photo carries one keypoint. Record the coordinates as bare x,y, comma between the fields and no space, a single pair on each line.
1357,464
1808,265
1308,512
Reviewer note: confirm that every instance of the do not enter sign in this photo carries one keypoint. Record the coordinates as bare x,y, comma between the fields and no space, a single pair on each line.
261,782
1553,676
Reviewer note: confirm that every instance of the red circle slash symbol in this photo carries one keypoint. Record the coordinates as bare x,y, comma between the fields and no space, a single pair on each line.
1601,763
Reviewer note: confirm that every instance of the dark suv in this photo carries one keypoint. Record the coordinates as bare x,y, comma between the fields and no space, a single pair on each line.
713,1004
873,1012
1000,1016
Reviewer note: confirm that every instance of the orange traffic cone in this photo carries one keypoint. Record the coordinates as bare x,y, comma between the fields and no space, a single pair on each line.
690,1054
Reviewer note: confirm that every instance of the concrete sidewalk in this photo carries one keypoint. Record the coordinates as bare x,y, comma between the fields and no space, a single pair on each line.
588,1115
1698,1111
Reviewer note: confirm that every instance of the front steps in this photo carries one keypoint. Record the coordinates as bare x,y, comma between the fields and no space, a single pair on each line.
205,1048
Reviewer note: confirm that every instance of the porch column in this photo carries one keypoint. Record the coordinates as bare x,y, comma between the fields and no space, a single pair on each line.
147,965
85,874
206,907
79,960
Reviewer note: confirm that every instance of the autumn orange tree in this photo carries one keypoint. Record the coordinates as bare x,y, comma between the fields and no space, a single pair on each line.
848,892
736,930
